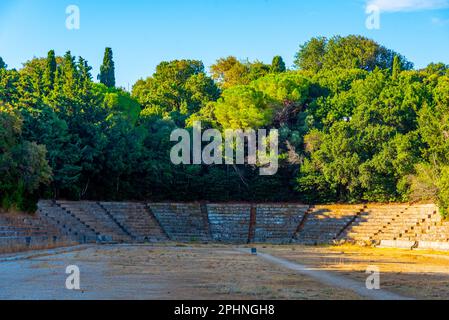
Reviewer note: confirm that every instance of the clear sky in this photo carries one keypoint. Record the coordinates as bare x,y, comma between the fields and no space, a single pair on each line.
144,32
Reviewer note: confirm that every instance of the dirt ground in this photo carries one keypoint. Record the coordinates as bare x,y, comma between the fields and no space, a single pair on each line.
416,274
220,273
162,272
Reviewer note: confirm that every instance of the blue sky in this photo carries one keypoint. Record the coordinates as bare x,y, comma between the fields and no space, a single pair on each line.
144,32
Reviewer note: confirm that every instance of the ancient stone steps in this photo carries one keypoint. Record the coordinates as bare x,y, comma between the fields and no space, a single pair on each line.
372,220
66,224
402,225
237,223
229,222
137,220
278,223
325,224
181,222
94,217
20,231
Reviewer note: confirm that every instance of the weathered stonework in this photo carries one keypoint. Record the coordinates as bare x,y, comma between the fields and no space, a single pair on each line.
229,223
324,224
64,222
183,222
277,223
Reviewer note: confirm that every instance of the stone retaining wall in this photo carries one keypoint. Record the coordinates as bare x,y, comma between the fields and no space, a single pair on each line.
62,222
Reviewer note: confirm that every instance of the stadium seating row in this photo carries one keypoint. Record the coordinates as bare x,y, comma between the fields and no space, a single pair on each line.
59,222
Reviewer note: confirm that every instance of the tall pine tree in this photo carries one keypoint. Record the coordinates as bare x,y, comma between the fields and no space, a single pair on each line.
107,69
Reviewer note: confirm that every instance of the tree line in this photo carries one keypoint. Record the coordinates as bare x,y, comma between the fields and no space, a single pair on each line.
357,122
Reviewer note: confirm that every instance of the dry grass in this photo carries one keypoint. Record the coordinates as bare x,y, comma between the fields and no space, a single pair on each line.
11,249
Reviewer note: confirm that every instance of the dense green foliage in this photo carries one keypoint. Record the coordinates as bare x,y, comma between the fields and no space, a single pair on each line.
2,64
176,90
356,123
346,52
229,72
278,65
107,69
23,166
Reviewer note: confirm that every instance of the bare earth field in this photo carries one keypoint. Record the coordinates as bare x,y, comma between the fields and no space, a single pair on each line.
221,272
416,274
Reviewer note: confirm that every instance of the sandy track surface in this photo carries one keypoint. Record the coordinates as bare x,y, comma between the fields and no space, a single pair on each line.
334,280
223,273
415,274
159,272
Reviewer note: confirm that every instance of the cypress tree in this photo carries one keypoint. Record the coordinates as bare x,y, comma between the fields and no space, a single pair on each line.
50,70
107,69
84,75
397,68
3,65
278,65
68,75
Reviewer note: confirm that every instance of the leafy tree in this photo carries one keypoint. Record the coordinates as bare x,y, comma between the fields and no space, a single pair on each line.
334,96
356,123
229,72
23,165
107,69
311,54
367,151
257,70
243,107
118,103
286,88
434,124
9,86
437,69
346,52
32,80
10,129
177,89
431,182
43,126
